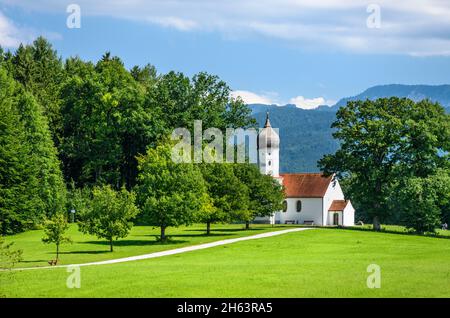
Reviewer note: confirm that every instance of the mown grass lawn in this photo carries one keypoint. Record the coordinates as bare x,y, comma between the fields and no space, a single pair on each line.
400,229
142,240
313,263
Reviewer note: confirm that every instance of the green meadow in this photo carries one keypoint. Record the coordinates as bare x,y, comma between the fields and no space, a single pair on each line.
313,263
141,240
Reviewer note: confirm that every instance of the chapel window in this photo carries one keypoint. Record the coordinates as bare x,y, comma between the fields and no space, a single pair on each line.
285,206
299,205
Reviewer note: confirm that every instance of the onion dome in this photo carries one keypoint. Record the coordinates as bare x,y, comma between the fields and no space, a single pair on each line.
267,137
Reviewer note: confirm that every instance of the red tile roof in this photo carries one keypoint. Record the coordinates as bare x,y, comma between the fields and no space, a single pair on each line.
338,205
305,185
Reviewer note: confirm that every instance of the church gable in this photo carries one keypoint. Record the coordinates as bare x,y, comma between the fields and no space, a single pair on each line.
338,205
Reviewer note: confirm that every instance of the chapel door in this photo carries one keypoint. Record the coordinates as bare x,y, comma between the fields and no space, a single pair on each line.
336,219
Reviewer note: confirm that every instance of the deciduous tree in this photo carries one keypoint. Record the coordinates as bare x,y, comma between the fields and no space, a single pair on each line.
230,197
382,142
265,193
170,194
109,215
417,201
8,256
55,229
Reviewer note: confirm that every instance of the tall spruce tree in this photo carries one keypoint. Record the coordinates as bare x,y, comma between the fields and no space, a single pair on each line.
39,69
51,188
17,175
31,179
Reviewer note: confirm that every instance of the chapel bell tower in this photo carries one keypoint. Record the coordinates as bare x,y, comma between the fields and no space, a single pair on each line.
269,150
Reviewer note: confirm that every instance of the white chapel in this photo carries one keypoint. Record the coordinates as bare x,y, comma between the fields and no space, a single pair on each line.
310,198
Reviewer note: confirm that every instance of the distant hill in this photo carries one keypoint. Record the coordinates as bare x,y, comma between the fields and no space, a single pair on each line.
306,134
437,93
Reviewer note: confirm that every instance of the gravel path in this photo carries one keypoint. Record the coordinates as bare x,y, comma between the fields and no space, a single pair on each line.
175,251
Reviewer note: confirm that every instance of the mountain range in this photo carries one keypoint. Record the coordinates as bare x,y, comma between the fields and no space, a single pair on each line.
436,93
306,135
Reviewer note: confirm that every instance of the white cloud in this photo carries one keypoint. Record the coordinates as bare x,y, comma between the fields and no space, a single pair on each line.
9,34
271,98
12,35
414,27
174,22
310,103
253,98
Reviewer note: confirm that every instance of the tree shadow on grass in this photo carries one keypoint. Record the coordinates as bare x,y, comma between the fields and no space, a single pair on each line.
136,242
199,235
218,232
192,235
123,243
86,252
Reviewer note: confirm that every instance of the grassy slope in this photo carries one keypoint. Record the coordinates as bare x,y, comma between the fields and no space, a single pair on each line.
87,248
315,263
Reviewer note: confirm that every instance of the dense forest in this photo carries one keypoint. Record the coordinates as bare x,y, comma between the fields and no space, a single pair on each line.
72,124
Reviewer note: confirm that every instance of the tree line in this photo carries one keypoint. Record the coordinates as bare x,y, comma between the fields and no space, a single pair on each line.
94,137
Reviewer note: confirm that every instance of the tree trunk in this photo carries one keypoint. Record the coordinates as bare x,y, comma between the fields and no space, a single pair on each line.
376,223
111,245
208,228
163,233
57,251
247,225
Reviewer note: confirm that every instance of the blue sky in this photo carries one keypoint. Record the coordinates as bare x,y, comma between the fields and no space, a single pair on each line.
300,51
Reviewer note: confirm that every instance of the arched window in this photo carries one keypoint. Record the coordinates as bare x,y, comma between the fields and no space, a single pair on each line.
299,206
285,206
270,162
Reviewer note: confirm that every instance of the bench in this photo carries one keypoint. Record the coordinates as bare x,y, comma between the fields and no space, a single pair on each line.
308,222
53,262
290,222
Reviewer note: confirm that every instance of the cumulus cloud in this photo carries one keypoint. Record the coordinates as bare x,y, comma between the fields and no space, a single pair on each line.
174,22
310,103
414,27
253,98
10,36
